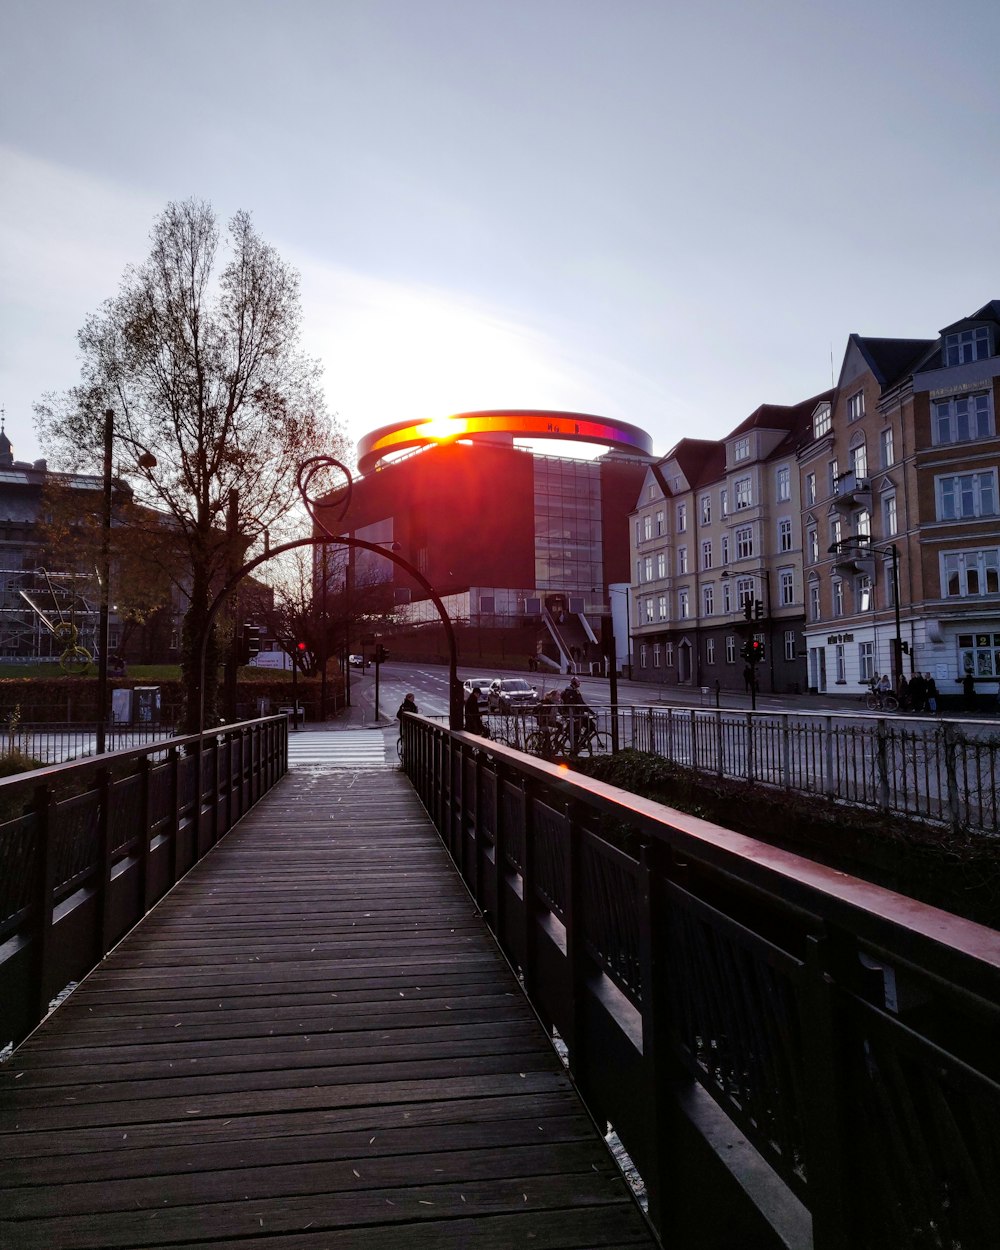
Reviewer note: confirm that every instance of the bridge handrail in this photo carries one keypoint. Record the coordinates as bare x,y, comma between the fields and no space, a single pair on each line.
844,1030
88,847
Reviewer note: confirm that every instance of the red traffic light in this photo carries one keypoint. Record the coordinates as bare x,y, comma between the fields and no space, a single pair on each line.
301,646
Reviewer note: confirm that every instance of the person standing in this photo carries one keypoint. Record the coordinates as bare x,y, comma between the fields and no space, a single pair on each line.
473,713
931,692
409,704
576,710
918,692
969,692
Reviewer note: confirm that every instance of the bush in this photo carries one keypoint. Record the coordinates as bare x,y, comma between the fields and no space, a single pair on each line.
14,762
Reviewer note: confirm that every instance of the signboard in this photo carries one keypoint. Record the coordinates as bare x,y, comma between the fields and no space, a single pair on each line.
272,659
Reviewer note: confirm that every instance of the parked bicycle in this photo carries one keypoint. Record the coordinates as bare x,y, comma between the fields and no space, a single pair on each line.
555,741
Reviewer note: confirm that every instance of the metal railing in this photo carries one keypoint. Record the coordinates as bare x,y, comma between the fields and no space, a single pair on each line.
53,743
87,848
929,768
783,1050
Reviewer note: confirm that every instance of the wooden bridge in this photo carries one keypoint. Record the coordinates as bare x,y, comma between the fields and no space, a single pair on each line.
312,1040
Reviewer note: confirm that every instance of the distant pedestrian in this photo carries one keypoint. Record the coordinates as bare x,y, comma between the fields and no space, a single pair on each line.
748,679
473,713
409,704
903,693
931,696
918,693
969,692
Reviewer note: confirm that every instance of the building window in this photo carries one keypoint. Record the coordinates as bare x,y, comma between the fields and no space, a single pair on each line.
836,531
838,597
814,605
885,447
744,592
859,461
968,573
856,406
810,489
889,513
862,523
744,542
979,654
643,655
966,346
724,501
709,650
741,449
833,473
706,555
659,523
683,605
661,564
706,509
863,593
963,418
785,534
656,655
668,654
682,517
647,608
638,570
647,527
708,600
789,644
822,420
661,606
725,549
742,493
730,649
647,569
866,660
727,601
783,484
812,542
787,584
966,495
682,560
840,664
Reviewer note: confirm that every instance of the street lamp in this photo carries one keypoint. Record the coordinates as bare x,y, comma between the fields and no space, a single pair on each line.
624,591
862,543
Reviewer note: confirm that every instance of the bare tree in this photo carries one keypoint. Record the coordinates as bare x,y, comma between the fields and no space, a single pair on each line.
214,402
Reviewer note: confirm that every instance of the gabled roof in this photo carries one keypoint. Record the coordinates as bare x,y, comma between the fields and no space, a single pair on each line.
890,360
779,416
696,458
988,312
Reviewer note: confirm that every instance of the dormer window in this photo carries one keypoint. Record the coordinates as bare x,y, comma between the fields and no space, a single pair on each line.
856,406
966,346
741,448
822,420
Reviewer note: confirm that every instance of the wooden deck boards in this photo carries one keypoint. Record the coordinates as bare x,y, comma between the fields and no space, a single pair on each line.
311,1042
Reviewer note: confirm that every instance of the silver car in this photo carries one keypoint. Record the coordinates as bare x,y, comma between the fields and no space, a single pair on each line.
511,694
483,683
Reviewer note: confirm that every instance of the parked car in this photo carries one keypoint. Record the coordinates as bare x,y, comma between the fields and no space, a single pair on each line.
511,694
358,661
483,683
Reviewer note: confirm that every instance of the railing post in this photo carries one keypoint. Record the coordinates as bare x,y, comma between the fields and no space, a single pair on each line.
175,810
786,751
44,809
882,763
528,891
720,744
824,1132
145,773
749,753
829,757
576,949
951,775
104,783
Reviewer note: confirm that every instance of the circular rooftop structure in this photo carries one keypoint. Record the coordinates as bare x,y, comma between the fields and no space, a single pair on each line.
531,423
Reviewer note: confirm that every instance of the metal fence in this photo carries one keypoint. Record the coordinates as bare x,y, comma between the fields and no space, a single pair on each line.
50,743
790,1056
939,770
87,848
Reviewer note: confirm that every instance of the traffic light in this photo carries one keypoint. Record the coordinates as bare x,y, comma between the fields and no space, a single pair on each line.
747,610
249,644
758,609
381,655
756,651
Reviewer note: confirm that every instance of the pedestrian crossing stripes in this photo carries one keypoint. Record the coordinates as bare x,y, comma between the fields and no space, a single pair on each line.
347,748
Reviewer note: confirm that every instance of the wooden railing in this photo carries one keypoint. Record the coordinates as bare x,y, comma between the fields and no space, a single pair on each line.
792,1057
87,848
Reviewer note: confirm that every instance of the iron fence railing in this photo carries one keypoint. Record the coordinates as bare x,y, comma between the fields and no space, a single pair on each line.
940,770
87,848
53,743
783,1050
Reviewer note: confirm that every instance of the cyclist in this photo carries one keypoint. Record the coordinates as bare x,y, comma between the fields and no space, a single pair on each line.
548,721
581,719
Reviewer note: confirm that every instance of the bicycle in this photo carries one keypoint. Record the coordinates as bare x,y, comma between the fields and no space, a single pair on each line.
881,701
555,740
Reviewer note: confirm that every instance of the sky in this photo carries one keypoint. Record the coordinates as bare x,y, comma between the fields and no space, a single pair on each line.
658,211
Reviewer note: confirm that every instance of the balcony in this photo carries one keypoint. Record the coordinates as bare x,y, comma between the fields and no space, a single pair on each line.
852,492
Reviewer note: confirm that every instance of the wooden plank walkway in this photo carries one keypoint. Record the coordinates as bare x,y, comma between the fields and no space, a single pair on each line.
311,1042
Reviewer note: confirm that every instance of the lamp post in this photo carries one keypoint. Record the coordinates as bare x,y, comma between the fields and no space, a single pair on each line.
103,620
624,591
863,543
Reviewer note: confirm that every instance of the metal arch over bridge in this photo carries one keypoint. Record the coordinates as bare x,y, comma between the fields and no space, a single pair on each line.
575,427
